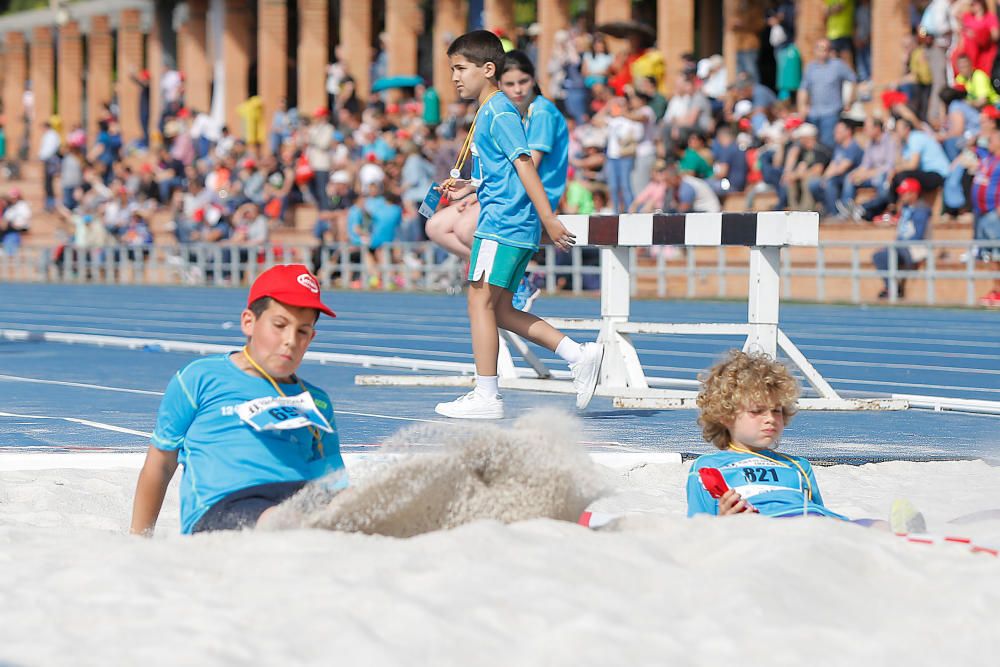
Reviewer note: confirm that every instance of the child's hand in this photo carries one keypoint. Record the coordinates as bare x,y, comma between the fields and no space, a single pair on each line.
733,503
561,237
453,185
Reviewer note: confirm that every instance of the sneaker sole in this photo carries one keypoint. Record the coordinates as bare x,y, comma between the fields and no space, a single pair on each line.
583,400
469,416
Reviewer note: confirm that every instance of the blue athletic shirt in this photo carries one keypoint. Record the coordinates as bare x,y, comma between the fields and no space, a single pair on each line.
220,453
547,132
506,215
776,489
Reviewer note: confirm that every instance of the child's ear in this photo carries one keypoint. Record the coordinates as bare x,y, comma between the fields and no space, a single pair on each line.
490,69
247,321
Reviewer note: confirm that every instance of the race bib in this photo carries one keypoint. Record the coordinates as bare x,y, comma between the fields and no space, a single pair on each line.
430,202
282,413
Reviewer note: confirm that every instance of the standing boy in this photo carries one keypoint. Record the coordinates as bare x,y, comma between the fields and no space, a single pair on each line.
513,202
248,431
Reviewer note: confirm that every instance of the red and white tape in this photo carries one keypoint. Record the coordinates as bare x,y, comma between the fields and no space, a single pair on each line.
598,519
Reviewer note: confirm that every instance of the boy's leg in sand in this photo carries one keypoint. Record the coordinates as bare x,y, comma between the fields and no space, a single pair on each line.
245,508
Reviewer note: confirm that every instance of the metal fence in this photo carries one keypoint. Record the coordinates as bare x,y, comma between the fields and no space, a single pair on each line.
807,274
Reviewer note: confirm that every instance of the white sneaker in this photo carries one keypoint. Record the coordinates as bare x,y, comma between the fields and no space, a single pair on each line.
586,373
472,406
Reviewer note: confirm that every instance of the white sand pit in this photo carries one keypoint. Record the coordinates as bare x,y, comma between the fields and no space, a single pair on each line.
654,589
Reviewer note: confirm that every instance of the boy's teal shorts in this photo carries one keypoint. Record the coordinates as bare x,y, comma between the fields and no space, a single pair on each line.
501,265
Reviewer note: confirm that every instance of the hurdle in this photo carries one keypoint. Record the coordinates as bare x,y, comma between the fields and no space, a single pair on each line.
622,377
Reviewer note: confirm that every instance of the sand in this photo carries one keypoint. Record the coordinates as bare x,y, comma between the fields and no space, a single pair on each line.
654,588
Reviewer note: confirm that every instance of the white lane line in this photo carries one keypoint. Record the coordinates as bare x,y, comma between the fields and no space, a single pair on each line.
81,385
173,322
642,350
85,422
236,340
345,329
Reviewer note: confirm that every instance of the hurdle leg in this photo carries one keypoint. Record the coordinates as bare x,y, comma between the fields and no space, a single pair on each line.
762,313
621,367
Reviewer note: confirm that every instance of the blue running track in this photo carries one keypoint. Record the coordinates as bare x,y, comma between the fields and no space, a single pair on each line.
115,392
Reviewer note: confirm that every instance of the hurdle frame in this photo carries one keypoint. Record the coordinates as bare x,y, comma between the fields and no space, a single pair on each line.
622,376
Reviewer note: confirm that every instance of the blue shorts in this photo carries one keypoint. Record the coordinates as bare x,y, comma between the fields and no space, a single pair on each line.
241,509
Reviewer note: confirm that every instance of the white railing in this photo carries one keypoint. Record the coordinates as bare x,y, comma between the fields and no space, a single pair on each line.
417,266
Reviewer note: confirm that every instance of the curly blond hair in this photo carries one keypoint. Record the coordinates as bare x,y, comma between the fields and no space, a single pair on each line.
740,381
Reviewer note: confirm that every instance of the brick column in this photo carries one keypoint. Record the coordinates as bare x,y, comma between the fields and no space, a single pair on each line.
42,79
129,62
236,47
674,34
450,21
890,24
606,11
499,14
70,75
99,65
154,65
404,20
272,47
810,27
313,53
192,54
15,64
356,37
553,15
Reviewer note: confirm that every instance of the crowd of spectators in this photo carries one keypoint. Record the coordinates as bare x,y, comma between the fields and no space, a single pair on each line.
818,137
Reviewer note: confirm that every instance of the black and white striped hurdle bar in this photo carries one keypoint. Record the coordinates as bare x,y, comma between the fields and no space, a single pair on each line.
765,228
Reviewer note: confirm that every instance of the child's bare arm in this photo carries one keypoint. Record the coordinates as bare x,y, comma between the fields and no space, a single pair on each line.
154,478
526,171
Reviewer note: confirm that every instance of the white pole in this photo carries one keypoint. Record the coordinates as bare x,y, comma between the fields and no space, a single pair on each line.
763,300
615,283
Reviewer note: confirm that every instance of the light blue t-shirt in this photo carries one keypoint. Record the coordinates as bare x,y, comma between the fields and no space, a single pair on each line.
776,489
932,156
380,220
506,213
547,132
222,454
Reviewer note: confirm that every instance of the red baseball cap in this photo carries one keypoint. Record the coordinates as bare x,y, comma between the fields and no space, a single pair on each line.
991,112
292,285
908,185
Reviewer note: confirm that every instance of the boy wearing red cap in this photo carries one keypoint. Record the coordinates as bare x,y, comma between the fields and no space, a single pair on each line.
914,219
249,432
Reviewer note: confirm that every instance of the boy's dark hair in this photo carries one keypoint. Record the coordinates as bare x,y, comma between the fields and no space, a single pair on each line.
478,47
258,306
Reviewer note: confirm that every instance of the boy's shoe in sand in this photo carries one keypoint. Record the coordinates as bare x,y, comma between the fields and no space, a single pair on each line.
586,373
904,518
472,406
